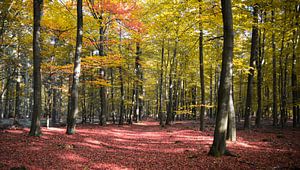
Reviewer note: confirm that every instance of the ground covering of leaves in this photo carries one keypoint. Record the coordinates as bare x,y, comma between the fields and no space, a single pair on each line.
147,146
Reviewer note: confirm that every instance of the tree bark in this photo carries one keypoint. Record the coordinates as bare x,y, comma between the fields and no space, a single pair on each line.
294,79
274,62
202,78
253,57
122,107
37,97
17,100
112,95
170,104
231,129
260,58
160,112
71,119
218,147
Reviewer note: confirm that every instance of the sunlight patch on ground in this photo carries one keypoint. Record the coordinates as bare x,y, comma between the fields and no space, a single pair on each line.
14,131
34,148
54,129
92,141
88,145
73,157
109,166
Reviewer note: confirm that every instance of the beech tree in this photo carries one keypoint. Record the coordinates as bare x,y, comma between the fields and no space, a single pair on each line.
37,94
218,147
71,120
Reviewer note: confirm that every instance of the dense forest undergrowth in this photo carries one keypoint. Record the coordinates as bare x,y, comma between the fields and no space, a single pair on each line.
148,146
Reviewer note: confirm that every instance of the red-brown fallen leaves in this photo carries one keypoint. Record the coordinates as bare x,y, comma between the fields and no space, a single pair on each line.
146,146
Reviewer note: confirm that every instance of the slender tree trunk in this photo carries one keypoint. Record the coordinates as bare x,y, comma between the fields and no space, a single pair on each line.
211,92
83,105
294,79
71,119
240,105
103,90
160,112
284,94
138,85
274,110
253,57
170,104
17,100
218,147
112,95
194,94
231,129
281,81
202,78
122,107
260,58
37,96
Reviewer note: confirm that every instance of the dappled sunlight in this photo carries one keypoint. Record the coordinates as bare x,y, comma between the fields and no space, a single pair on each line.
89,145
73,157
131,147
92,141
14,131
34,148
109,166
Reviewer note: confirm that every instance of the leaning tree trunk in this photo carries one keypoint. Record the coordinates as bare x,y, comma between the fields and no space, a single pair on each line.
253,57
71,120
218,147
35,129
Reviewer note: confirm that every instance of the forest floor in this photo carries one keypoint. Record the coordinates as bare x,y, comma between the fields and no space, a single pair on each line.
147,146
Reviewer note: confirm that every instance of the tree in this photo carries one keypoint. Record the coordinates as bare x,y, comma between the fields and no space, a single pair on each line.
218,147
71,120
253,57
274,63
37,96
202,111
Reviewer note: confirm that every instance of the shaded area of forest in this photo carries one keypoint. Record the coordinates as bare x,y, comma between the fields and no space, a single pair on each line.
147,146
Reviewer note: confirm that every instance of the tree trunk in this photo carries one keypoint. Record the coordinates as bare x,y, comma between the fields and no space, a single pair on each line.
231,129
281,81
103,90
274,110
211,92
170,104
71,119
122,107
202,108
218,147
112,95
194,94
55,106
294,79
138,85
37,97
260,59
161,115
253,57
